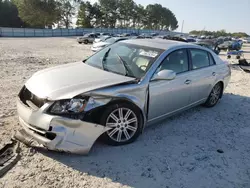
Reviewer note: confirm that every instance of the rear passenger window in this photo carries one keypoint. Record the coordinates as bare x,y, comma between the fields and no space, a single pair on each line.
211,59
200,58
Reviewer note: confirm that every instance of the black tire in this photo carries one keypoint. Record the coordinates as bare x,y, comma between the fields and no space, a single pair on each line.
106,138
85,41
80,42
211,101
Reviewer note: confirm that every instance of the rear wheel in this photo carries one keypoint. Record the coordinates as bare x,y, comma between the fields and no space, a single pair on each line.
125,122
214,96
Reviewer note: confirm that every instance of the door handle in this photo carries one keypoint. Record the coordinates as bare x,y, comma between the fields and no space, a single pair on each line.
187,82
214,73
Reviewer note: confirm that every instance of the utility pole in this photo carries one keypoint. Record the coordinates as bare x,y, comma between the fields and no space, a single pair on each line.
182,26
203,30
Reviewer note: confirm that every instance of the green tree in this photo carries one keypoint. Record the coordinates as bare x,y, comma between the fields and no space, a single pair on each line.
139,16
173,22
126,10
85,15
97,16
219,33
66,12
124,14
9,15
38,13
109,8
158,17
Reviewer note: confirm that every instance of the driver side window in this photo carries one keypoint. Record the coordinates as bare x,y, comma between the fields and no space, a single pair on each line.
176,61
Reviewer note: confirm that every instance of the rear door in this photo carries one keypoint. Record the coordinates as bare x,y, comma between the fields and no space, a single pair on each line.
203,75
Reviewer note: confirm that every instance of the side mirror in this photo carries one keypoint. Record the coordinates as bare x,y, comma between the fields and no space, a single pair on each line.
164,75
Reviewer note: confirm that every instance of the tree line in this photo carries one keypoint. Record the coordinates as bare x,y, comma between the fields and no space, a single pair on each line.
104,13
218,33
124,14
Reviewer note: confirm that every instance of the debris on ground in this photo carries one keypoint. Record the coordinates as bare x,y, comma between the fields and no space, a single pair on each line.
9,155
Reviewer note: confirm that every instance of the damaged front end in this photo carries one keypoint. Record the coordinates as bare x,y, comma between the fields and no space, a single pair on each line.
61,131
73,136
73,125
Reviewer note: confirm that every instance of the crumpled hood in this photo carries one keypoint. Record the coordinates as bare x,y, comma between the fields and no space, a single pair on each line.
67,81
99,44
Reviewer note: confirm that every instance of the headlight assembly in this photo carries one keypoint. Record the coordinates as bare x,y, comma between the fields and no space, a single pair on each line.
69,106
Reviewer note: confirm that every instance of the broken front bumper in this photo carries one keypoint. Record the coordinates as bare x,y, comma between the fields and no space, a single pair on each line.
58,133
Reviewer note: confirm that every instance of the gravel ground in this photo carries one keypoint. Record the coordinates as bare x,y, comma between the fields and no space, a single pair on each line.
180,152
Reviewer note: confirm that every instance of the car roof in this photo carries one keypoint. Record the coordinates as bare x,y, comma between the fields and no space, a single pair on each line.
158,43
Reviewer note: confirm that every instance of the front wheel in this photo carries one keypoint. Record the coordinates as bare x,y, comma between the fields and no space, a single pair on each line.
125,122
214,96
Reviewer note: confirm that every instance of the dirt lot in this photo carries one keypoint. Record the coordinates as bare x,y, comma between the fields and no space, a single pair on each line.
180,152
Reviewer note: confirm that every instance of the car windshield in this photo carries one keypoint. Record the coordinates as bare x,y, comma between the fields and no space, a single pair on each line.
125,59
86,35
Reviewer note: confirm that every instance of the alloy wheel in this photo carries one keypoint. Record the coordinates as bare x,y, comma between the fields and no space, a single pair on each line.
124,124
215,94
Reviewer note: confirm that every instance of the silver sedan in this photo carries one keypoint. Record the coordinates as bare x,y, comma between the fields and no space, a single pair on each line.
117,92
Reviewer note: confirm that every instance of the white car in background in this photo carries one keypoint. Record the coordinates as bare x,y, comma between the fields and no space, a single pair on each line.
102,38
100,45
246,40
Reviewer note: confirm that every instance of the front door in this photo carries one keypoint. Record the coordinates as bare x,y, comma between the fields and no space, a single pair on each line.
167,96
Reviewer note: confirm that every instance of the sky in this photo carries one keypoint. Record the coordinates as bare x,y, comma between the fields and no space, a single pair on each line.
213,15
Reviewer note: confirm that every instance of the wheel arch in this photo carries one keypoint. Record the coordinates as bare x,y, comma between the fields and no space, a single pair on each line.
222,84
127,101
95,114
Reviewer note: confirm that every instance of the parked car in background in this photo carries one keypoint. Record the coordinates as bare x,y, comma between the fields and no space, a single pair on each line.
117,92
220,40
193,36
136,37
229,45
105,34
125,35
246,40
146,35
161,36
102,38
181,39
228,38
100,45
239,41
210,45
192,40
154,34
133,34
87,38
